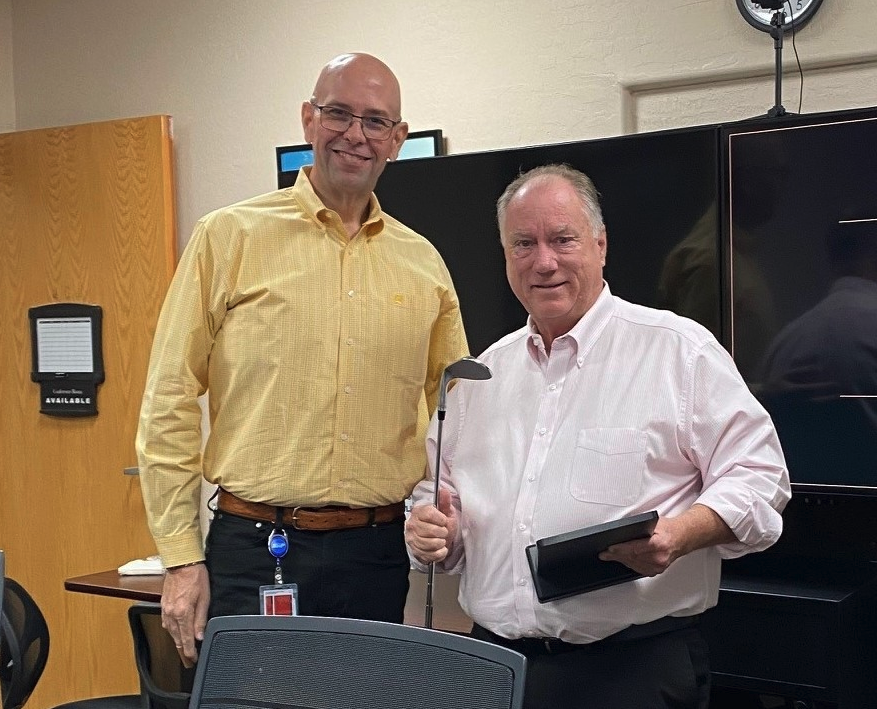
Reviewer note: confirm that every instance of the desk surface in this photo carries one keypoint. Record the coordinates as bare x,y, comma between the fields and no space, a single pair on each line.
110,583
447,614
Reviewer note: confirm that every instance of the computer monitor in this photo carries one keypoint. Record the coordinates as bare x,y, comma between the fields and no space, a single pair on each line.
291,158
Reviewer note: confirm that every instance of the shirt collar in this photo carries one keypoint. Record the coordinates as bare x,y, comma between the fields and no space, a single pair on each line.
320,213
584,333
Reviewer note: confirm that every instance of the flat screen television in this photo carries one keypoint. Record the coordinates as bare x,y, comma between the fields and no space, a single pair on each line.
801,227
659,205
291,158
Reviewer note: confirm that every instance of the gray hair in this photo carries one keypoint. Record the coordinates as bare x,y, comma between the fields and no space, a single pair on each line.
579,181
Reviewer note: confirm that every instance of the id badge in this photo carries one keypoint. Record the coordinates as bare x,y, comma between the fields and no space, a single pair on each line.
279,599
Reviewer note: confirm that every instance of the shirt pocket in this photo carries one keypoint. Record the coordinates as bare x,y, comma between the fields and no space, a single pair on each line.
608,466
403,341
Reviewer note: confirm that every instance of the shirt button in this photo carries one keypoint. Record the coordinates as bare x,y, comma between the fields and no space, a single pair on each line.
543,431
350,294
552,387
522,526
531,478
522,582
347,390
344,436
580,361
349,340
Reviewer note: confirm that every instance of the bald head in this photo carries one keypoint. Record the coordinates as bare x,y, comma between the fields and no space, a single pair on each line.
365,70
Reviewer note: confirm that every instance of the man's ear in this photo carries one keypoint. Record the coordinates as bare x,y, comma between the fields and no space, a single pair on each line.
308,121
398,138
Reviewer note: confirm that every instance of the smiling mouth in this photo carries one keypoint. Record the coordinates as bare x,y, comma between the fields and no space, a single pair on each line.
353,157
547,286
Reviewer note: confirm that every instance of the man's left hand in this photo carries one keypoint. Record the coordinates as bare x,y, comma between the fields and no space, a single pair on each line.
673,537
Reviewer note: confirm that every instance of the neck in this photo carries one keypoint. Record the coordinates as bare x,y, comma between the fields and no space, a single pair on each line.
547,336
353,209
353,213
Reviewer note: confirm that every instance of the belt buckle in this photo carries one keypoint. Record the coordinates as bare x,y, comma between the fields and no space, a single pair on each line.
555,646
295,518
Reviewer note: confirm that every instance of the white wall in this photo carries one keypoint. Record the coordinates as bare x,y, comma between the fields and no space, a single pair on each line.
7,92
490,74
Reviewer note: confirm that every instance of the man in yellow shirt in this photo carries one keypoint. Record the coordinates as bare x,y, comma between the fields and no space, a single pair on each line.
320,327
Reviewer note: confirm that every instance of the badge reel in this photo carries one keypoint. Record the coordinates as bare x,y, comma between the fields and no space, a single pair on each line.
278,598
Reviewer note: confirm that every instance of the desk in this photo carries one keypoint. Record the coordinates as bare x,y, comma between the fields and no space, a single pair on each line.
447,614
109,583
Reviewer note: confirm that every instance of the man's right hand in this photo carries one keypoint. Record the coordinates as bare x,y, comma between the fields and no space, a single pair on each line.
185,598
430,532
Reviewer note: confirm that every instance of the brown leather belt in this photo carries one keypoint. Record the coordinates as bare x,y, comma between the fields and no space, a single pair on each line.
310,518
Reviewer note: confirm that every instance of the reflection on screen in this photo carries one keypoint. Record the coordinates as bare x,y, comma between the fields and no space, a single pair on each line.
803,237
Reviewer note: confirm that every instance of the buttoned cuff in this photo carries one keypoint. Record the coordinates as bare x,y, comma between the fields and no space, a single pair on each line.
180,549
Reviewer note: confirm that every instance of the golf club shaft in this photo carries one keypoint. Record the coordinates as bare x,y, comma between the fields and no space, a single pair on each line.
430,577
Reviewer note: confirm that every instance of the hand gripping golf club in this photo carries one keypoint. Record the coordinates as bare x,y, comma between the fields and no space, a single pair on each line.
466,368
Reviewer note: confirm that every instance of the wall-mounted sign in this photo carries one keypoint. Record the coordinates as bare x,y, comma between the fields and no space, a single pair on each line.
67,357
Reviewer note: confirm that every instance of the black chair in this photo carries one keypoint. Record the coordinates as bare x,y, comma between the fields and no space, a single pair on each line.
338,663
24,645
164,682
24,649
2,578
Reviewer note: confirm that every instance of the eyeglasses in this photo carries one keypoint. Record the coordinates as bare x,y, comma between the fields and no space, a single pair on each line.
339,119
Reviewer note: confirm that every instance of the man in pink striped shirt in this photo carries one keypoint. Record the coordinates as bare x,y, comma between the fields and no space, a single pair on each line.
598,409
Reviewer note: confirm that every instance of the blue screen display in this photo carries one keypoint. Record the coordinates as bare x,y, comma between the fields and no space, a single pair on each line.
295,157
295,160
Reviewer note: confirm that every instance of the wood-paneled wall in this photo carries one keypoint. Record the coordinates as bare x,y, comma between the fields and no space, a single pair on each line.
86,215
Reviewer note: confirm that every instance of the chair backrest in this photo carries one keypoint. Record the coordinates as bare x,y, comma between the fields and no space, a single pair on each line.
339,663
164,682
24,645
2,577
2,582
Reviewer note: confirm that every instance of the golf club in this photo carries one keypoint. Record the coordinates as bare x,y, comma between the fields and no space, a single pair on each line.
465,368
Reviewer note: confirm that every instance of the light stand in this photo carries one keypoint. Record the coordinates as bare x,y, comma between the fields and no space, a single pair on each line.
466,368
776,31
770,16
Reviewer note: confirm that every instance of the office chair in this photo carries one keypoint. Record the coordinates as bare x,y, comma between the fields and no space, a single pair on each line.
164,682
24,645
339,663
24,650
2,579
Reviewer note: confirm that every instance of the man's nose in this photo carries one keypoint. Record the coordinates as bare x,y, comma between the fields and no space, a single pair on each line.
354,131
545,258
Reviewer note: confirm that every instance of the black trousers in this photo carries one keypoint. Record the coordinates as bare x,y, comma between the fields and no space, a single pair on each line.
348,573
666,671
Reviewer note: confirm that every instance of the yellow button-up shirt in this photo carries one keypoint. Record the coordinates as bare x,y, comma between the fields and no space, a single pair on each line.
322,355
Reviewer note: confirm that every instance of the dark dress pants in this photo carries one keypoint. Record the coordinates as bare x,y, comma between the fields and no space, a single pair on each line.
347,573
667,671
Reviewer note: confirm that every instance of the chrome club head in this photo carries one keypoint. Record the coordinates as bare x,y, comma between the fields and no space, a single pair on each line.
465,368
